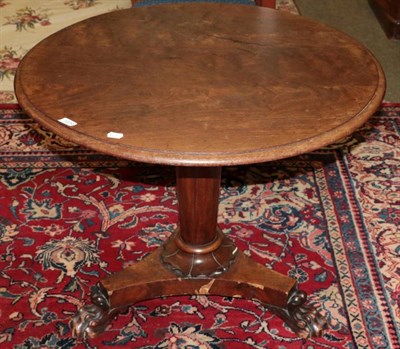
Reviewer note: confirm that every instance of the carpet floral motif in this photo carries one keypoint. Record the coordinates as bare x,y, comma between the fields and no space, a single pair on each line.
9,60
69,216
80,4
26,18
24,23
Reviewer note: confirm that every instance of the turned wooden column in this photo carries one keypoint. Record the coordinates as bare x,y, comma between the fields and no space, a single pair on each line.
198,247
198,191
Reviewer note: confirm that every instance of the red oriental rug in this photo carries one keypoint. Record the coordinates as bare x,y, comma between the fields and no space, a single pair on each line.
329,219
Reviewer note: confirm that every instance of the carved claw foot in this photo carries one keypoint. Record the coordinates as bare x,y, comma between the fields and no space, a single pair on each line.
91,320
305,320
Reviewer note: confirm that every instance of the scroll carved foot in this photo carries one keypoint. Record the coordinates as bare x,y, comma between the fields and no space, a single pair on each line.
92,319
305,320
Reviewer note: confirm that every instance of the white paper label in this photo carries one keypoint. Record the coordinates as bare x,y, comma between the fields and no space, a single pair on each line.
115,135
67,122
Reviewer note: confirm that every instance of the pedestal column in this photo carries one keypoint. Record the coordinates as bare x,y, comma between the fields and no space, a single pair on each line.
198,247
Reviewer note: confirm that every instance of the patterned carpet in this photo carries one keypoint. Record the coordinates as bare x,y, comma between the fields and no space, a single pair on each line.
330,219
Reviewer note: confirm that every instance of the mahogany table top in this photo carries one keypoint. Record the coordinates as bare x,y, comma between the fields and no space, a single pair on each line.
200,84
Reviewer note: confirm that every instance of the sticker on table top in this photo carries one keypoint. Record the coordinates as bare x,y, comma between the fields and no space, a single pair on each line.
115,135
67,122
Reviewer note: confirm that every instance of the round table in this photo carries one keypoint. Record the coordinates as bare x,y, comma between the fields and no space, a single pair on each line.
200,86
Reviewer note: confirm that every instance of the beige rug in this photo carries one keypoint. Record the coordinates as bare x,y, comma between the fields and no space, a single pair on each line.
24,23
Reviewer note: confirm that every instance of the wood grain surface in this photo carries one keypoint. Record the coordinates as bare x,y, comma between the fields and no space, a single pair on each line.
200,84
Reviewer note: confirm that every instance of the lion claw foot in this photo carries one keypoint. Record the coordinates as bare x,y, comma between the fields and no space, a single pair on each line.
305,320
92,319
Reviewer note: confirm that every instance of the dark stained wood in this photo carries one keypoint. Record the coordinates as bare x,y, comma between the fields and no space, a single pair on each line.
266,3
199,261
198,248
198,196
246,279
201,84
388,14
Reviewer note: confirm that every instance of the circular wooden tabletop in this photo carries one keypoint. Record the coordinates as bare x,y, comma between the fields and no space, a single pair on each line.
200,84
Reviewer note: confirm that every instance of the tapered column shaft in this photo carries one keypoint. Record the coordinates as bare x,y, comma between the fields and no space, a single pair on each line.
198,190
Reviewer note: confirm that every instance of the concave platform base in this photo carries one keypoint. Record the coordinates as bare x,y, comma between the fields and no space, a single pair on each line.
150,279
198,259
